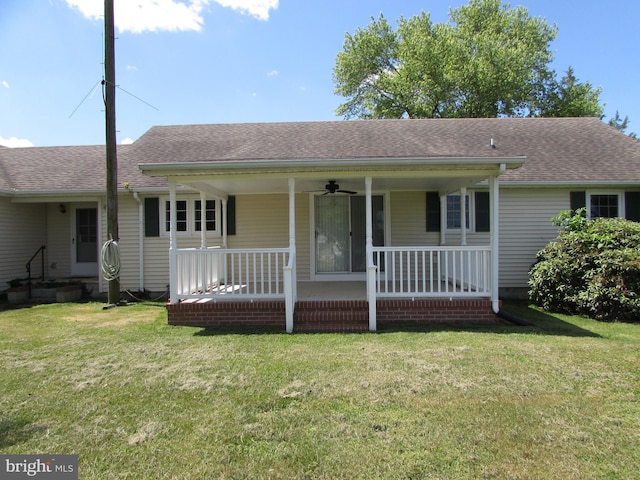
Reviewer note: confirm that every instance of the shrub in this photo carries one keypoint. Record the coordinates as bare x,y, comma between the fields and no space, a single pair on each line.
591,268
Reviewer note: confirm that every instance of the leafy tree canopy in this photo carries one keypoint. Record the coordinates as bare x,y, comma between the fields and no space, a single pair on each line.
490,60
622,124
570,98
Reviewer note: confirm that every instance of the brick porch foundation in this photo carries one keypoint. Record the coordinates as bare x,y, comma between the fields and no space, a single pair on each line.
228,314
457,311
331,316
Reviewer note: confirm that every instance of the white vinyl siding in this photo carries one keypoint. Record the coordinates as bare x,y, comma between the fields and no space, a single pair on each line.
408,220
59,240
263,220
525,228
129,225
24,231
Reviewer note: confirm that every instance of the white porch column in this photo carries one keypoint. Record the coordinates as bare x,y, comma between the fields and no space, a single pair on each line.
371,269
203,220
494,213
173,273
443,219
290,275
463,216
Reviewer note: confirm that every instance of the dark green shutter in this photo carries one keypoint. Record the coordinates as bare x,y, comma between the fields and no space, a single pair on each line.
483,217
632,206
231,215
433,212
577,200
152,217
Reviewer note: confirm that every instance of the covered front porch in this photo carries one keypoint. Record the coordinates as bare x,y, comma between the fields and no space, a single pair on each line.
260,285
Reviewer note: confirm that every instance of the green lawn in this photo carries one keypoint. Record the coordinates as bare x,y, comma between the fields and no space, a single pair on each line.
138,399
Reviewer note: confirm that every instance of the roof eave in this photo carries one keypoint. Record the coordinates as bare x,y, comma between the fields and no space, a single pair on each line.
258,166
569,183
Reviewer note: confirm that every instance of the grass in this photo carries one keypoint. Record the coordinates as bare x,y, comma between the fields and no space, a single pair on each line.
138,399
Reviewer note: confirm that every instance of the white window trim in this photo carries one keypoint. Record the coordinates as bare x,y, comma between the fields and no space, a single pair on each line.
191,217
472,209
620,195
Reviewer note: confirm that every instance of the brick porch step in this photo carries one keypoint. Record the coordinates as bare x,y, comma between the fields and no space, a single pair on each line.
331,316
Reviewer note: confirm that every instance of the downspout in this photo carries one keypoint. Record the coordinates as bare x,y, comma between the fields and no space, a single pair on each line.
140,242
494,189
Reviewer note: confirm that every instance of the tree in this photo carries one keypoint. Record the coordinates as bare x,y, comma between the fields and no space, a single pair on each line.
490,60
570,98
622,124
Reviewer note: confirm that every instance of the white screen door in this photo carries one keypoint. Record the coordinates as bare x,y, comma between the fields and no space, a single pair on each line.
333,243
85,242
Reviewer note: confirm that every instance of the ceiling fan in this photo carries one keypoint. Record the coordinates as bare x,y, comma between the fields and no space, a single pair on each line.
333,187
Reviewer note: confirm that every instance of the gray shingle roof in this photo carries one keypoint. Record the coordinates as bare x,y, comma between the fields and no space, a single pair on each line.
67,169
557,149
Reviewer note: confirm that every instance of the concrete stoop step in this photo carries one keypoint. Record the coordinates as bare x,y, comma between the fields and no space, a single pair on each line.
331,316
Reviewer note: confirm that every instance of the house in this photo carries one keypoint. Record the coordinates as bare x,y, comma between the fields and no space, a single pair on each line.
345,224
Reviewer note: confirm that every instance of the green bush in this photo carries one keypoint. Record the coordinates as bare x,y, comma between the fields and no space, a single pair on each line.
591,268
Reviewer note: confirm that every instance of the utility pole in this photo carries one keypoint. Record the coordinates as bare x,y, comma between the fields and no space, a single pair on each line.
109,85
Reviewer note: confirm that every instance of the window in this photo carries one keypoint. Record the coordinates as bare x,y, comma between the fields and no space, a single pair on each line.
478,212
453,211
210,215
603,206
181,216
188,216
607,204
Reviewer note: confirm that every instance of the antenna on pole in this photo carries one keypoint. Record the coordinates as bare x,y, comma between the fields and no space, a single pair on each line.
109,85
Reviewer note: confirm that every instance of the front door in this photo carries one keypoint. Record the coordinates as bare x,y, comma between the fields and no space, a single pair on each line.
340,233
85,242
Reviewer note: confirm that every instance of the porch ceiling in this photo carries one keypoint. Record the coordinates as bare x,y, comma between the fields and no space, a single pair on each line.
442,180
221,187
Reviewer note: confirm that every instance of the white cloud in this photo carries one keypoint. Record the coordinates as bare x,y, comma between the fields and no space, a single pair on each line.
139,16
5,84
14,142
126,141
273,73
255,8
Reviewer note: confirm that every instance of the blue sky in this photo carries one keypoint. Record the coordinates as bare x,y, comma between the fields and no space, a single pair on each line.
221,61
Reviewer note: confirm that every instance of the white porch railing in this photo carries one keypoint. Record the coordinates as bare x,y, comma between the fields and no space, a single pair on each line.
230,273
432,271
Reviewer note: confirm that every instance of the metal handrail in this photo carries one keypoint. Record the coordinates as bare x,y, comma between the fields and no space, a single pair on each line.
40,250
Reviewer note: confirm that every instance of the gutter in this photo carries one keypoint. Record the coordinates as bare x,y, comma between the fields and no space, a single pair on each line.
569,184
260,166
